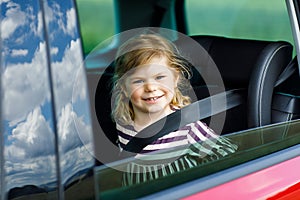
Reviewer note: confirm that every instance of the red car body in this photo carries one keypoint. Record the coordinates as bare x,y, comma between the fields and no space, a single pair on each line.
280,181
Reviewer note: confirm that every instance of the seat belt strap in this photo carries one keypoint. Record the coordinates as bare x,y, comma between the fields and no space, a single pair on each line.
287,72
196,111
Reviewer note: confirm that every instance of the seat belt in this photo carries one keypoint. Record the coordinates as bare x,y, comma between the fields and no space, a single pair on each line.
287,72
196,111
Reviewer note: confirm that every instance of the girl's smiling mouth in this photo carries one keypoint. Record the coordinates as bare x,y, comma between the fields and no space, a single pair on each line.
152,99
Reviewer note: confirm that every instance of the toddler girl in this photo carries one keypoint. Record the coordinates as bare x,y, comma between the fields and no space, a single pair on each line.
149,77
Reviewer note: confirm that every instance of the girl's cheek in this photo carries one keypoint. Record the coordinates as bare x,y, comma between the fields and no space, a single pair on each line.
135,96
169,85
134,91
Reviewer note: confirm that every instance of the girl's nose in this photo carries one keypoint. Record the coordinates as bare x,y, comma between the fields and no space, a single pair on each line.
150,87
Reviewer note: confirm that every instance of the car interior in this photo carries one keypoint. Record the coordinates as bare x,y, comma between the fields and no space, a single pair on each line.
252,66
265,73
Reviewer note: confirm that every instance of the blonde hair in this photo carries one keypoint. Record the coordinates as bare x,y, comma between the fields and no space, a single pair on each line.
138,51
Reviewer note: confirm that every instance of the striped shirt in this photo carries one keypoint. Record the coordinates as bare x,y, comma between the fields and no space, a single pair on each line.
191,145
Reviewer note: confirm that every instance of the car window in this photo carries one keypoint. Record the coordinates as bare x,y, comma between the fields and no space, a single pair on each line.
252,144
242,19
97,22
261,20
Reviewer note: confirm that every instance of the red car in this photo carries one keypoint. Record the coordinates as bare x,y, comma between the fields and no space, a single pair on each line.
58,140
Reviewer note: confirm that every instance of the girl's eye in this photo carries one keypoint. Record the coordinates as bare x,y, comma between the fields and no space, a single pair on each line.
160,77
137,81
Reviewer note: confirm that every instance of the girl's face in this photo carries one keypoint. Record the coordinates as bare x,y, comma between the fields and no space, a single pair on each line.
151,87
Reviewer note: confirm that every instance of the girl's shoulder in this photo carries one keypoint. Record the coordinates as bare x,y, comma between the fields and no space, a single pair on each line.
125,130
198,125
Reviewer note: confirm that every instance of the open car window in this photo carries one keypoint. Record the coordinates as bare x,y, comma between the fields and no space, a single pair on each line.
252,144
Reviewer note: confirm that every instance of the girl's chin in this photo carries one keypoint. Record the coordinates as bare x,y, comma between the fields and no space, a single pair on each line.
159,110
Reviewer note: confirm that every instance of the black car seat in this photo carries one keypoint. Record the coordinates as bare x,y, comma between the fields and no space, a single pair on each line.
253,65
286,100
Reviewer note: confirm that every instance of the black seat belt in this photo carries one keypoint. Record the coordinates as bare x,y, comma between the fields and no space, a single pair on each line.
287,72
209,106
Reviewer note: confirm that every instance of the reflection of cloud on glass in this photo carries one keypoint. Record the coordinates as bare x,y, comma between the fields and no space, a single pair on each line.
34,21
79,87
32,138
29,138
75,143
68,130
75,150
19,52
4,1
64,73
38,28
36,25
39,171
74,161
30,89
54,51
71,22
66,20
30,148
14,17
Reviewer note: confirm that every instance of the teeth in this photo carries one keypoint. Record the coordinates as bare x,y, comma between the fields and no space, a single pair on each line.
152,98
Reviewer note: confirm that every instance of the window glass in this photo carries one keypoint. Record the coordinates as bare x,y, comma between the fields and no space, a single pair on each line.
74,128
28,122
262,20
252,144
46,142
96,18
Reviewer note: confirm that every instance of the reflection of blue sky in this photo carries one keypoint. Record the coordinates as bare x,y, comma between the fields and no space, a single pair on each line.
27,113
19,22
